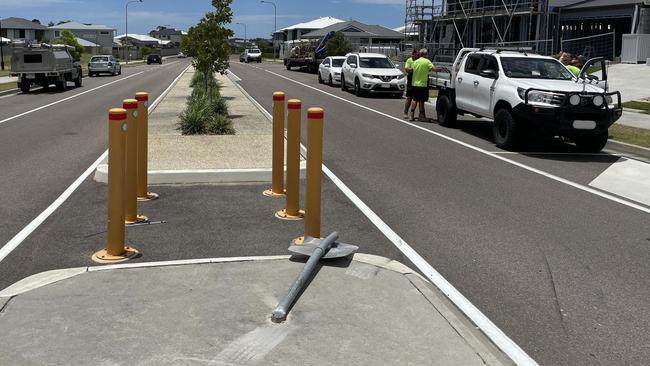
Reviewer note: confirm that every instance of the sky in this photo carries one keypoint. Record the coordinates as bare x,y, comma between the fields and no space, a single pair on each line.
181,14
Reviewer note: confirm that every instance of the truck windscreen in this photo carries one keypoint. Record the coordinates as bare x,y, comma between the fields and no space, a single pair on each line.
534,68
33,59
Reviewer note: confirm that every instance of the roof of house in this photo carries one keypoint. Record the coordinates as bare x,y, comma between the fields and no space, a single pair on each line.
21,23
81,26
4,40
86,43
139,37
167,31
357,29
314,24
410,29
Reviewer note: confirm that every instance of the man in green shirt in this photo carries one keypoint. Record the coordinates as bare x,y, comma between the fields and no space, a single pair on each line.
408,69
420,83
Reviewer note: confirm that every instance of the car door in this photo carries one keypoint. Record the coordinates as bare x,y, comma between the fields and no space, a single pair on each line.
594,72
484,85
348,70
465,80
323,69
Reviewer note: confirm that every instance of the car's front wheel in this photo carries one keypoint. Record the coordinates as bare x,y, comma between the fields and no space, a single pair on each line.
344,87
24,86
320,78
77,81
331,82
592,142
506,130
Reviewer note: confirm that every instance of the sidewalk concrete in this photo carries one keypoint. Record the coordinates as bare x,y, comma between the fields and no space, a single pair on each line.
635,119
366,311
176,158
8,79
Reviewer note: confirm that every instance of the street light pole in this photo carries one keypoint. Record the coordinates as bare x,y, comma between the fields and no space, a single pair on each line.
126,26
245,37
275,24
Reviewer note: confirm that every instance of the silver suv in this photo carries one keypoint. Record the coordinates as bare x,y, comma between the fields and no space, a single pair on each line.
371,73
104,64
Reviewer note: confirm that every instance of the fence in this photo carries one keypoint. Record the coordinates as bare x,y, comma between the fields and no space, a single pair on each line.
599,45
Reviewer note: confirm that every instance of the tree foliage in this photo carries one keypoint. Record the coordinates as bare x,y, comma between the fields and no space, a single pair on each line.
337,45
69,39
207,42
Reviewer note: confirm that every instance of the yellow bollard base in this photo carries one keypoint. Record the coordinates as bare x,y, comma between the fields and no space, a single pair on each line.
102,256
138,220
302,240
270,193
149,197
283,215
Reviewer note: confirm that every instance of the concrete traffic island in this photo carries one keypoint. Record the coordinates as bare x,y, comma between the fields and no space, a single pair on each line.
176,158
368,310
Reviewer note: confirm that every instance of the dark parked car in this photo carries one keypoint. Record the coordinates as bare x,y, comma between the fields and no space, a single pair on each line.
154,59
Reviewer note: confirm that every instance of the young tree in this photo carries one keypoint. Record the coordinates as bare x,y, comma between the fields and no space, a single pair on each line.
337,45
69,39
207,42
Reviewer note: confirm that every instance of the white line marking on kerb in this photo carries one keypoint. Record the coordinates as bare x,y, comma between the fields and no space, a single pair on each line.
482,151
491,330
27,230
68,98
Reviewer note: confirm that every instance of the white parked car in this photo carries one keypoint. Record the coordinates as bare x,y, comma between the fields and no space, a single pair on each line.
371,73
329,71
528,94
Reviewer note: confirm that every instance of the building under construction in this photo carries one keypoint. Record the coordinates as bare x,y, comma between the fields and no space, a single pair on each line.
454,24
587,27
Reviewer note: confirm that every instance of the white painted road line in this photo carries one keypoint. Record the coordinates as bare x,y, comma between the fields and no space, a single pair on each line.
480,150
491,330
68,98
34,224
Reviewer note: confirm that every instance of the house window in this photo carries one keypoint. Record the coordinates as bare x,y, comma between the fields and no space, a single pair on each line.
57,34
21,33
103,32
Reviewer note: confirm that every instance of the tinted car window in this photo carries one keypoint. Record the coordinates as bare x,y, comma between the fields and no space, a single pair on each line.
99,59
337,62
351,60
472,64
489,63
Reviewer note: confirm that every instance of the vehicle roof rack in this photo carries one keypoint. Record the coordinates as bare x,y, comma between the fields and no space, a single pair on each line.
524,50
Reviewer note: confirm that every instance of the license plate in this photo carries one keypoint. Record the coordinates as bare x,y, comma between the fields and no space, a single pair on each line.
385,86
584,125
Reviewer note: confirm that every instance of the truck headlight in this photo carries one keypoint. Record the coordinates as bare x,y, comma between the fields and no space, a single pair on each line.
400,77
540,97
574,100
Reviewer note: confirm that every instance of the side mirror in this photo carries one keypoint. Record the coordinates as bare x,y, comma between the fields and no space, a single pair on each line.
397,66
489,73
353,66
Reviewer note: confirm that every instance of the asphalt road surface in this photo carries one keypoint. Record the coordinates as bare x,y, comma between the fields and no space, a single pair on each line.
560,266
42,151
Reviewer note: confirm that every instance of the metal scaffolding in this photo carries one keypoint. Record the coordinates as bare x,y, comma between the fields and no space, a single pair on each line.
454,24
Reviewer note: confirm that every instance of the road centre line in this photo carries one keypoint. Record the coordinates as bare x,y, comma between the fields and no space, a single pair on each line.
68,98
480,150
36,222
491,330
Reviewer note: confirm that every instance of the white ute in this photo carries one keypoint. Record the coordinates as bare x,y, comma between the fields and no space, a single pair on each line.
525,93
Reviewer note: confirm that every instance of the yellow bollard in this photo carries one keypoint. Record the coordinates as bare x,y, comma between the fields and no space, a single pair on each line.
116,249
130,195
143,148
314,171
292,210
277,175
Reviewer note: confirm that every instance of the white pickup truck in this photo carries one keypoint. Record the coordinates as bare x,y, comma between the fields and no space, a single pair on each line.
528,94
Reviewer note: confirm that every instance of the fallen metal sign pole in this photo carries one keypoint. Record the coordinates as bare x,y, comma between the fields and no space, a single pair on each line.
316,249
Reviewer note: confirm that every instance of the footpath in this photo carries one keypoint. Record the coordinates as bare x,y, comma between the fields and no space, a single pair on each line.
168,307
